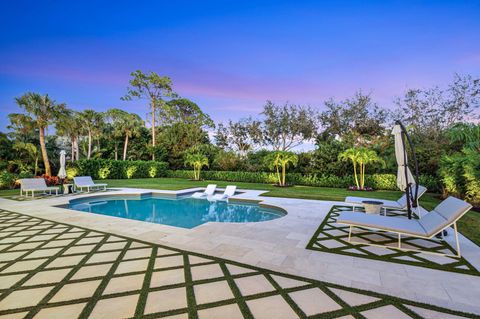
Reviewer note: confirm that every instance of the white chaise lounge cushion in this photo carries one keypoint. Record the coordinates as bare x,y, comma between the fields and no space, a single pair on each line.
229,191
452,208
446,213
209,191
85,181
395,224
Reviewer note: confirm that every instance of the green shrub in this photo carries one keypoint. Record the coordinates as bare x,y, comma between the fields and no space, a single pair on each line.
104,169
7,180
377,181
460,173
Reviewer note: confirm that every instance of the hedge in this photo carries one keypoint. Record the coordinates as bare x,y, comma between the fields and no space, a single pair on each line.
376,181
103,169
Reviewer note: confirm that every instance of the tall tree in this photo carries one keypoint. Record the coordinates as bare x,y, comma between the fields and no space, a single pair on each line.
126,125
91,122
430,112
42,110
287,126
242,136
69,125
357,120
155,89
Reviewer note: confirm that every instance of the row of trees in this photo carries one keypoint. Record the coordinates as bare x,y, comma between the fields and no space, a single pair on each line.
176,129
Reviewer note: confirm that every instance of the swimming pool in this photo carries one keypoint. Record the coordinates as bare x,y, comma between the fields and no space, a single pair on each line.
183,212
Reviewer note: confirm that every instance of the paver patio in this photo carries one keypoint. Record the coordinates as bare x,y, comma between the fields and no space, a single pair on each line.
119,277
61,262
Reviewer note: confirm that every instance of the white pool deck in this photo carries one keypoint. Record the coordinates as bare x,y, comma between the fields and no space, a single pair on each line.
280,245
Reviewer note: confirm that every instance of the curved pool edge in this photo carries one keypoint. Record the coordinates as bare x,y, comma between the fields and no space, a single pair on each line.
251,197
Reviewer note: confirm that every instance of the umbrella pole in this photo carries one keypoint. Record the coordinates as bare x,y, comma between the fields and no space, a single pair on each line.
407,188
411,200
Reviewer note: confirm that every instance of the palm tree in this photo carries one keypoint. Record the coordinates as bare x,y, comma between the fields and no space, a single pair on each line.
69,125
366,156
281,159
351,154
91,123
197,161
125,124
42,110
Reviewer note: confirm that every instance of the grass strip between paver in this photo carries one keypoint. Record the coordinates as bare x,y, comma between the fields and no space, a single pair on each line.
192,306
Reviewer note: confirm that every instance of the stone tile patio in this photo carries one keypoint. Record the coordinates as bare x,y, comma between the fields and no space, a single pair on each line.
273,254
119,277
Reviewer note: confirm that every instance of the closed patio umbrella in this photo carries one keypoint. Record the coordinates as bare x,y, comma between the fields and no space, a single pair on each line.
62,173
405,178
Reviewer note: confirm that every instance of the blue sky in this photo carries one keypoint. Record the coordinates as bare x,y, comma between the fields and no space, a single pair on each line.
231,56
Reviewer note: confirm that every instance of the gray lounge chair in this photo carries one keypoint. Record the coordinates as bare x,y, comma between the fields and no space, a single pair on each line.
35,185
446,214
400,204
81,182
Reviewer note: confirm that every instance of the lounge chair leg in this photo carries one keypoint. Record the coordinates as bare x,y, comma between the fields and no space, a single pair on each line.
456,240
350,234
399,241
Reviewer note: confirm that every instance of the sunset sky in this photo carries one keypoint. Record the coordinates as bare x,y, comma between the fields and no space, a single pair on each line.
231,56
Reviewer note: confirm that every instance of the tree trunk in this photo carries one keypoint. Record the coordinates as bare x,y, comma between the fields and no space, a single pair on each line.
153,129
36,166
77,149
116,151
125,148
72,141
283,174
362,175
43,147
355,174
89,144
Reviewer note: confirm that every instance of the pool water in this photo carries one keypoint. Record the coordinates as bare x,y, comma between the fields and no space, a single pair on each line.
184,212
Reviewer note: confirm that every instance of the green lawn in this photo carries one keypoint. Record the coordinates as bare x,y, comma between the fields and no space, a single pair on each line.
468,225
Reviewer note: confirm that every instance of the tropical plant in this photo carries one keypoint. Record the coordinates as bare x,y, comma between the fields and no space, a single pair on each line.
42,110
27,153
197,161
125,125
91,123
351,154
360,158
152,87
279,161
69,125
365,157
468,134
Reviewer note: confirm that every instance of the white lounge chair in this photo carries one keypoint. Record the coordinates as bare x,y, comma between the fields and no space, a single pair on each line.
35,185
446,214
400,204
81,182
209,191
229,191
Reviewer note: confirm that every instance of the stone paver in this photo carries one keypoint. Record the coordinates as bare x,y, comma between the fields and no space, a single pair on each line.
167,283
